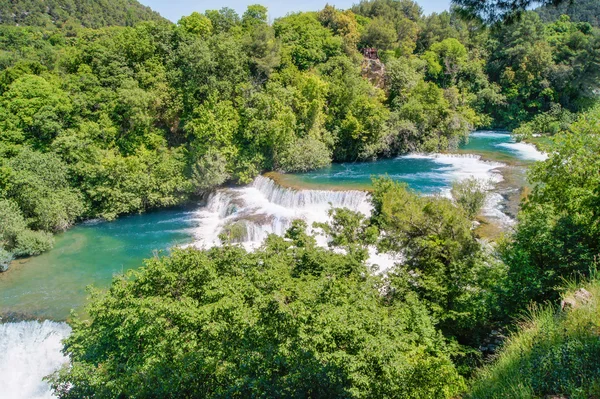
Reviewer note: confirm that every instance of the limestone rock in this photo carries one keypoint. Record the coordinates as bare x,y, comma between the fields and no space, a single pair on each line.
580,297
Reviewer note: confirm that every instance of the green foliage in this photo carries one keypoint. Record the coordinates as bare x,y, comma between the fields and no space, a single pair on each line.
255,15
446,59
39,184
5,259
89,13
15,238
549,123
196,24
223,20
288,320
540,65
306,42
34,111
470,194
442,260
380,34
578,11
303,155
558,233
552,354
493,11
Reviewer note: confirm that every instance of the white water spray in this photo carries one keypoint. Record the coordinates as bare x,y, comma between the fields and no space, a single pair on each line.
265,208
29,351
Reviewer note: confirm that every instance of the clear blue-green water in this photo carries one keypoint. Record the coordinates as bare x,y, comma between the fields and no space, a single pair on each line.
480,157
50,285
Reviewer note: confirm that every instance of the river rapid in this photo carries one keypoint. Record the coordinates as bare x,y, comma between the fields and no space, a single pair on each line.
47,287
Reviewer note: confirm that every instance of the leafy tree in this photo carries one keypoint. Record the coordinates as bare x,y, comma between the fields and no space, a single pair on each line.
344,24
5,259
493,11
264,51
15,238
470,194
34,111
446,60
196,24
578,11
380,34
557,236
223,20
39,184
255,15
91,13
442,261
290,319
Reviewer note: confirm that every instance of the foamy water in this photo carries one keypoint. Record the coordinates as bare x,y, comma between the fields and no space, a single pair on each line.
456,167
525,151
262,208
29,351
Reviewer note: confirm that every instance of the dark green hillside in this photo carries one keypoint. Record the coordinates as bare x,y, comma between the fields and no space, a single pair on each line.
89,13
578,10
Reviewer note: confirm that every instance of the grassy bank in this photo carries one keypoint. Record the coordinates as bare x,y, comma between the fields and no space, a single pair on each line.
554,354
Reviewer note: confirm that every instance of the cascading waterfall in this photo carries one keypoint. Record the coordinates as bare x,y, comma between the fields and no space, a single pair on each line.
29,351
264,207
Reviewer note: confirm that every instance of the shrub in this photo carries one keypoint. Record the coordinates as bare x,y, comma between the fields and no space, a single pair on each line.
289,320
31,242
470,194
5,259
305,154
554,354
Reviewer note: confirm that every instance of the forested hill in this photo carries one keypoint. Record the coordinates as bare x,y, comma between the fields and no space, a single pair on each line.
88,13
578,10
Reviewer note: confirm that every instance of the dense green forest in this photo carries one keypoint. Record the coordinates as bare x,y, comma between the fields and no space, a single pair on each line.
578,11
70,14
100,121
97,123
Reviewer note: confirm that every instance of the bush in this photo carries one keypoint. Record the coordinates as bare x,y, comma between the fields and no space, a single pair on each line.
31,242
470,194
16,237
289,320
554,354
12,224
304,155
5,259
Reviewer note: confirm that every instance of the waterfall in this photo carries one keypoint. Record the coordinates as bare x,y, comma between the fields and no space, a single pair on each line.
29,351
248,214
290,198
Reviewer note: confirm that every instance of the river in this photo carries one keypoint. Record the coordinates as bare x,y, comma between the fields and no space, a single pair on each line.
47,287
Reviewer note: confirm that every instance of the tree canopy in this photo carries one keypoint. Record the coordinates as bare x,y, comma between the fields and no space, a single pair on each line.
88,13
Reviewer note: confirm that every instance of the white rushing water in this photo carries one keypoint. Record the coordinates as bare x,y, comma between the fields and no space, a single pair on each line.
253,212
456,167
29,351
249,214
264,208
526,151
